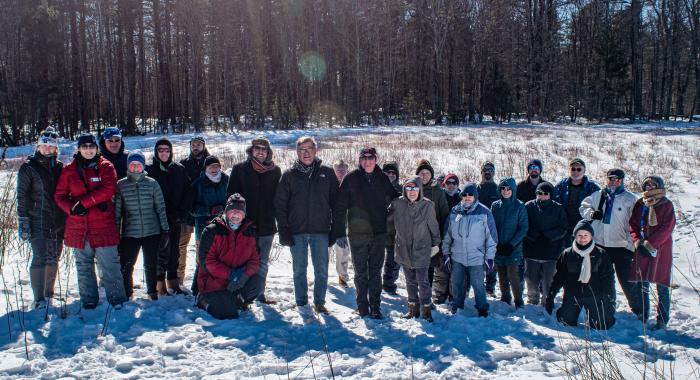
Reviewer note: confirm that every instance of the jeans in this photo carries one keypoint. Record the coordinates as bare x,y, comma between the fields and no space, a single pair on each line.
110,274
539,275
663,307
129,251
185,235
417,286
367,259
509,282
44,267
476,281
342,261
391,270
601,312
318,245
622,262
264,244
223,304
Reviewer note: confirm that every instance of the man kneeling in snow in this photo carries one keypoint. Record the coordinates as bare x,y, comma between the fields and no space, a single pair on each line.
228,262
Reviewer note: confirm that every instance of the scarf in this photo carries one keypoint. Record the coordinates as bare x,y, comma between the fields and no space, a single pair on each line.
214,178
650,199
135,177
308,170
261,167
585,252
233,226
610,202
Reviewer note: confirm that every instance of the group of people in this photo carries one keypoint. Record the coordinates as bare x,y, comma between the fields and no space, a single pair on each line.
448,239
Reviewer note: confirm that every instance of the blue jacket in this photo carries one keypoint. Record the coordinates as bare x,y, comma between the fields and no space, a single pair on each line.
511,221
470,235
209,196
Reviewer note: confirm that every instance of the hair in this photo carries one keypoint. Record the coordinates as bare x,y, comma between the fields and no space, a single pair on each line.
306,139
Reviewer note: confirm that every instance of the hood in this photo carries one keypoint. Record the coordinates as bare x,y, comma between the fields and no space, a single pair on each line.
392,165
510,182
417,181
162,141
103,148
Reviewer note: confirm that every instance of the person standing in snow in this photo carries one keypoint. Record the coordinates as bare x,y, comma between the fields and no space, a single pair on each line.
112,148
39,219
571,191
510,217
194,167
546,229
469,246
228,279
391,268
365,195
488,193
451,186
256,180
139,204
651,225
309,218
527,188
585,272
609,211
342,246
84,192
412,221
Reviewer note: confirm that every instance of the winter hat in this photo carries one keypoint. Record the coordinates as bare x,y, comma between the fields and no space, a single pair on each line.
488,165
111,132
584,225
48,137
660,184
617,172
136,157
391,166
449,178
470,188
368,151
235,202
535,162
577,161
86,138
163,141
260,141
425,164
199,138
415,181
545,187
210,160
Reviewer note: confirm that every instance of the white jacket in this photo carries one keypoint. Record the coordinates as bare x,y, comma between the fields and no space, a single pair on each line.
617,233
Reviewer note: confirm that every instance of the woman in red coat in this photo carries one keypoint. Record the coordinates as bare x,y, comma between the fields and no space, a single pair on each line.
651,226
85,190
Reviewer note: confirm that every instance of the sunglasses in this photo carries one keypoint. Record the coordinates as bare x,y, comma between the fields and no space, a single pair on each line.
576,169
467,194
53,135
412,188
542,192
163,150
114,140
533,167
505,188
451,182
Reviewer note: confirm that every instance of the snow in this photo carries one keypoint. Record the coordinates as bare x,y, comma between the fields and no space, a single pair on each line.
174,339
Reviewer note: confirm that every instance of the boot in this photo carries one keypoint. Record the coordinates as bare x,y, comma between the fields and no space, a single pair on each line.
483,313
174,286
50,273
413,311
153,296
161,290
427,313
36,277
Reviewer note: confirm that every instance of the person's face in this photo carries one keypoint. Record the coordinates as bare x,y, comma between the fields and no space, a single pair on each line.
425,176
534,171
340,173
260,152
577,171
163,153
368,162
213,169
487,174
451,186
47,150
235,216
306,153
506,192
468,198
196,147
650,186
412,191
583,237
88,151
113,144
135,167
392,175
614,182
543,195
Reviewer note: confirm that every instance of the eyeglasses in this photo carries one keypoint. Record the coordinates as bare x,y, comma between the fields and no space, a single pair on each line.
576,169
88,146
163,150
542,192
505,188
114,140
613,178
412,188
533,167
467,194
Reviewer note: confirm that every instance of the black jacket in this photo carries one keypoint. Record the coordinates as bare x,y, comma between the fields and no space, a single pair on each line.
259,190
433,192
488,193
308,204
526,190
366,199
194,166
176,189
118,160
547,226
601,284
36,185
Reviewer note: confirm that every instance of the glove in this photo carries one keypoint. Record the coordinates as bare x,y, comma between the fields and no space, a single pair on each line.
434,251
236,280
102,207
504,249
549,305
489,266
164,240
645,249
216,210
286,239
597,215
342,242
24,228
78,209
446,264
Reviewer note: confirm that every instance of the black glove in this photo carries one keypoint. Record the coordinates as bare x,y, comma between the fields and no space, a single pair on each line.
644,250
504,249
549,305
342,242
286,239
164,239
102,207
24,228
236,280
597,215
78,209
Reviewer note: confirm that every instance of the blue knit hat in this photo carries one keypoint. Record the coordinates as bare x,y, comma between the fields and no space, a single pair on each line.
470,188
111,132
136,157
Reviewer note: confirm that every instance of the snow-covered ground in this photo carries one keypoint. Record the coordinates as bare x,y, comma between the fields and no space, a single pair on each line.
171,338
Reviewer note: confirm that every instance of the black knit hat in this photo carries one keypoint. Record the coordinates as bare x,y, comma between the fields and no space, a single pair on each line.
577,161
235,202
584,225
535,162
210,160
368,151
87,138
545,187
159,142
470,188
488,165
425,164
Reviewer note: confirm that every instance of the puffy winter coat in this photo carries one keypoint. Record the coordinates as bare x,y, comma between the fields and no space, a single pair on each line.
488,193
175,187
36,185
546,229
433,192
259,190
209,196
118,160
94,185
416,230
470,235
140,208
222,251
366,199
511,221
562,194
653,269
601,285
617,232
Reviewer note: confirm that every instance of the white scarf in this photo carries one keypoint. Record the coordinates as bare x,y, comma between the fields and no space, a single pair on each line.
216,178
585,275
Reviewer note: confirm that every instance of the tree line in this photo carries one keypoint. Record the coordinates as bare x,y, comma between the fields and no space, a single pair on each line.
182,65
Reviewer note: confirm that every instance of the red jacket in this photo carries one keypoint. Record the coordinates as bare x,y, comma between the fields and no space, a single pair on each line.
654,269
221,251
98,185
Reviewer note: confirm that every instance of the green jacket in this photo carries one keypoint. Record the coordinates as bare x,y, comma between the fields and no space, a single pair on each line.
140,208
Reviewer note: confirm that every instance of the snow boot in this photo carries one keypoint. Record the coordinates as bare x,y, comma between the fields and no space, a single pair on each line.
50,273
427,313
413,311
483,312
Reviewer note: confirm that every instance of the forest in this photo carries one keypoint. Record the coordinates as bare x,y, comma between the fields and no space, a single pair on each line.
156,66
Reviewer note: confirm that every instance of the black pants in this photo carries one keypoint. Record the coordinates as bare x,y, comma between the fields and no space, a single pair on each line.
509,282
223,304
622,262
128,254
169,258
367,257
391,270
601,312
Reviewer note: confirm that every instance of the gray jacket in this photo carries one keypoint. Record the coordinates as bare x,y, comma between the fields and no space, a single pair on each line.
140,205
470,235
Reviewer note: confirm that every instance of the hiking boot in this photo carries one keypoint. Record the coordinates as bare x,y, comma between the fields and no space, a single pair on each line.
483,313
363,311
390,291
174,287
427,314
413,311
153,296
89,306
320,309
518,304
376,313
